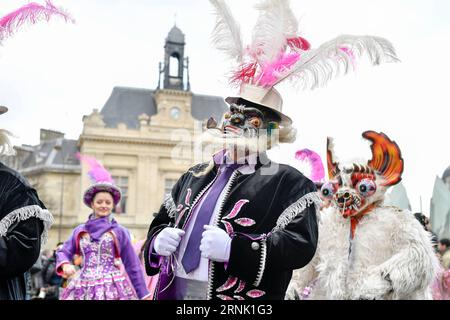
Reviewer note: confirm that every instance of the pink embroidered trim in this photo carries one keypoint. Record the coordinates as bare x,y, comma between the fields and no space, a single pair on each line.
188,196
116,244
240,287
231,282
236,208
180,206
228,227
224,297
245,222
255,293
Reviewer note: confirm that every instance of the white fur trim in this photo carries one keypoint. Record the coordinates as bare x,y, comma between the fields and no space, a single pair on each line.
170,206
25,213
297,207
262,263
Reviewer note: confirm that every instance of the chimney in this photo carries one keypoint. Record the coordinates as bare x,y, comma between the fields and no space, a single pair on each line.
49,135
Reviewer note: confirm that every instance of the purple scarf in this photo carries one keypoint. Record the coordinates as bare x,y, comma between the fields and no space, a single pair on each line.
96,227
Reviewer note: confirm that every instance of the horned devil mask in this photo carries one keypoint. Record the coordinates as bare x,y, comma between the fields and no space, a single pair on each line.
357,188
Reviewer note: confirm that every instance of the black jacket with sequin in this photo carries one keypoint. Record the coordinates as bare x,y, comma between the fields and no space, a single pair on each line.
270,215
24,222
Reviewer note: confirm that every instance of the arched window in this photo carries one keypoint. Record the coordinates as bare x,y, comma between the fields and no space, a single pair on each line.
174,64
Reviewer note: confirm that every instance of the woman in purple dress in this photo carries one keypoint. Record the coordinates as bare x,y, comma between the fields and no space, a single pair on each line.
104,245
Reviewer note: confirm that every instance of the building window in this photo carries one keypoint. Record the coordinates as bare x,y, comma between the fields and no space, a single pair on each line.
122,183
169,183
174,65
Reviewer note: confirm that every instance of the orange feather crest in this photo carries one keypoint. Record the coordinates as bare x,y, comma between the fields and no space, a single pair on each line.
386,157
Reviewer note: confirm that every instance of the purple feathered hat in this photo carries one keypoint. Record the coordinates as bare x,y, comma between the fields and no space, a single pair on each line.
102,181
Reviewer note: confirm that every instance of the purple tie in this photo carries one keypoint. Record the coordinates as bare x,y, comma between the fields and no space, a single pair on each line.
191,257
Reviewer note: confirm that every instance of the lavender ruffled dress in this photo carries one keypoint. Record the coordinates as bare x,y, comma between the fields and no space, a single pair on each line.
103,275
99,278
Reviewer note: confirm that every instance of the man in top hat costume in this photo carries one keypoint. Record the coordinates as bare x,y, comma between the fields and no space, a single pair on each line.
104,245
367,250
236,227
24,224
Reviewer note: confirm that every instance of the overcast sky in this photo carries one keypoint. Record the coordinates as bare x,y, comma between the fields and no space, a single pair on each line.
52,74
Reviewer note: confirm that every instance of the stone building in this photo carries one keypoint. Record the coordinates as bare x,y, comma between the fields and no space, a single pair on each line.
142,136
440,206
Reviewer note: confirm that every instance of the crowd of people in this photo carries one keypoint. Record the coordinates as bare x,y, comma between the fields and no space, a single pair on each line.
441,285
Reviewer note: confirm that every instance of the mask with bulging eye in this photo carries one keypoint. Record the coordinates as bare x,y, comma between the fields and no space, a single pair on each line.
241,121
357,188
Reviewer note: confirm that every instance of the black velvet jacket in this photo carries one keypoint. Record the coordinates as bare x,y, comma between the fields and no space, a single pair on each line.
270,215
23,218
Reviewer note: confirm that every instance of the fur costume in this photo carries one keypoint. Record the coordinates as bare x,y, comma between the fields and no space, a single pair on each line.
367,250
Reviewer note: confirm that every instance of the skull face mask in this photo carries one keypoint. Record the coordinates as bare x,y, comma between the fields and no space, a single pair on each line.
243,121
246,128
246,121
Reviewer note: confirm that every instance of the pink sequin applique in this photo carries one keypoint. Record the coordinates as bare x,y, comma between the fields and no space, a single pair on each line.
230,283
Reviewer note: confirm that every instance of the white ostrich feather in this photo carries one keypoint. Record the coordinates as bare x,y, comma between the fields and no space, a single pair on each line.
226,35
276,23
318,66
6,147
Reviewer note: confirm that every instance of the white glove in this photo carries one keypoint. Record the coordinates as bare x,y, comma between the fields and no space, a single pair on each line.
215,244
68,269
167,241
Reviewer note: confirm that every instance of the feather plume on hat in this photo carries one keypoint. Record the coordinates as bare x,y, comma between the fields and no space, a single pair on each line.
96,172
277,51
6,147
101,179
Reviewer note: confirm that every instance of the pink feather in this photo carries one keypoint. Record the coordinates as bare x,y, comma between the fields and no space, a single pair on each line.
245,74
298,43
30,13
314,160
350,53
271,71
97,172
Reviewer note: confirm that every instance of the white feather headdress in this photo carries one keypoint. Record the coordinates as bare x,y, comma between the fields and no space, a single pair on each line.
278,53
6,147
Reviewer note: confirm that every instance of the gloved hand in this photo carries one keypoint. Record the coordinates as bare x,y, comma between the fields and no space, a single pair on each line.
167,241
215,244
68,270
